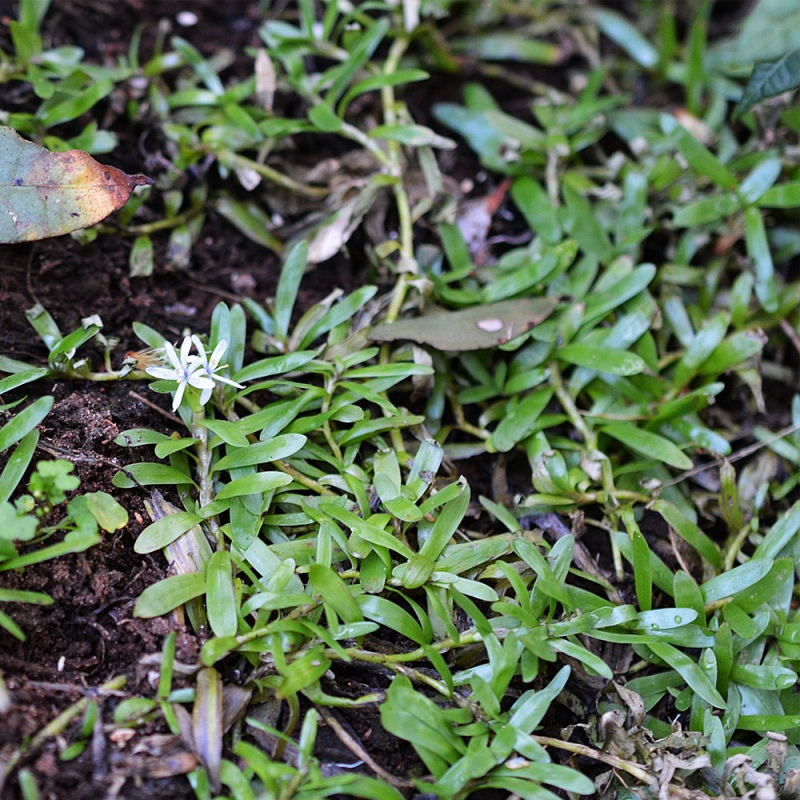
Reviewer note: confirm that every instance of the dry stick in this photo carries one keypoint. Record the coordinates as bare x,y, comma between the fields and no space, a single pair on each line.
636,770
355,747
150,404
791,333
55,727
737,456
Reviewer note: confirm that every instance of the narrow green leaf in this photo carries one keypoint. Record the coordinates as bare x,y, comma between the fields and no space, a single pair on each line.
221,595
759,251
166,595
689,671
147,474
258,483
24,422
335,593
262,452
648,444
392,616
291,274
602,359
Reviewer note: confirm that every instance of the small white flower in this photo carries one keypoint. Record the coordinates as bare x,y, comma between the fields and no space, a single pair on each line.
210,365
186,369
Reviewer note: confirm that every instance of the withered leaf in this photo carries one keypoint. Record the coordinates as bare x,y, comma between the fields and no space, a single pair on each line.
472,328
45,194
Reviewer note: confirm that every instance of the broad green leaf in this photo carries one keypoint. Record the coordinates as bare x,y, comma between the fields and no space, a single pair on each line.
136,437
706,209
761,178
262,452
521,280
391,615
325,118
689,532
229,432
528,710
141,260
49,194
17,464
110,515
585,226
303,672
166,595
580,653
472,328
602,359
520,420
291,275
702,345
763,676
648,444
533,202
780,534
258,483
446,524
221,595
412,135
250,220
784,195
21,378
769,31
375,82
147,474
699,157
507,47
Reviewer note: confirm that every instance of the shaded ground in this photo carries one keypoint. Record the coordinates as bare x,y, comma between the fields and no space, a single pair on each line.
89,635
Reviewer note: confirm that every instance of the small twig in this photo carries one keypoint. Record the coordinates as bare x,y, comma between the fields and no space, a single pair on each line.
791,333
150,404
636,770
356,748
737,456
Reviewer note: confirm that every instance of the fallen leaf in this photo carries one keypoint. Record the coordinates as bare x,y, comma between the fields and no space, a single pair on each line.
46,194
471,328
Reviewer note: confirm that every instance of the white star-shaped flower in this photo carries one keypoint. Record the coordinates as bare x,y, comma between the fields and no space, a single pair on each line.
210,366
186,369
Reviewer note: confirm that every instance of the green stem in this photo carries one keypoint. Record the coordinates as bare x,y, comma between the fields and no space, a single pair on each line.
206,493
298,476
236,161
395,165
590,439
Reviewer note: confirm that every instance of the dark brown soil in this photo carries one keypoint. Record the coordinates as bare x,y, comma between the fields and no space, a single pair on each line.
89,635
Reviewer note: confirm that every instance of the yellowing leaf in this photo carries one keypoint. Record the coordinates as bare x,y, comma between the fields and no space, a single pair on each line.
46,194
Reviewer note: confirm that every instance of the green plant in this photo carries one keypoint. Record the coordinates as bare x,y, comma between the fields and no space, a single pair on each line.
319,520
27,522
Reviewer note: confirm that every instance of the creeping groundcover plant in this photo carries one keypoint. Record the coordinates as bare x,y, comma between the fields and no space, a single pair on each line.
525,498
